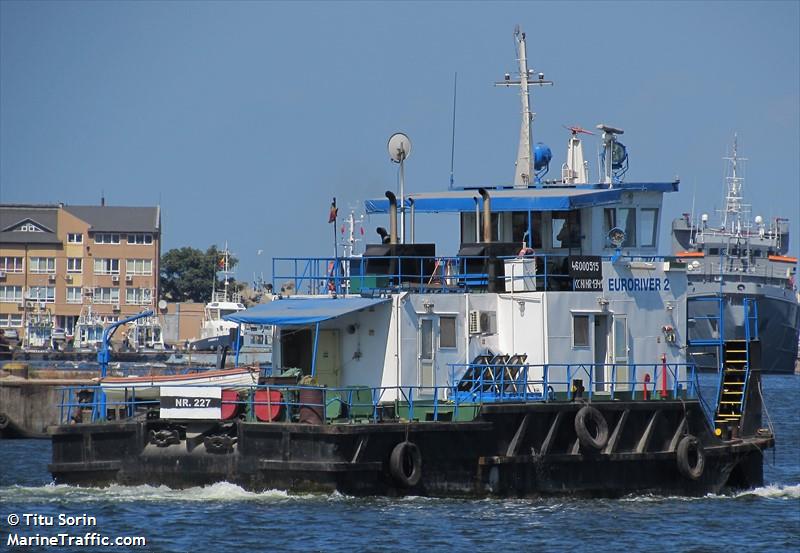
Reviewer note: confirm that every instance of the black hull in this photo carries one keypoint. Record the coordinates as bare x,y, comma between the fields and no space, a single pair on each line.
510,450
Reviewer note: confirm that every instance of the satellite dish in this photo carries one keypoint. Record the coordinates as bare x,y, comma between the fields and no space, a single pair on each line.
162,304
399,147
616,236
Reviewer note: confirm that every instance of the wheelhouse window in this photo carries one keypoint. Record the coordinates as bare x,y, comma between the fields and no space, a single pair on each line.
140,239
74,265
626,220
43,265
106,238
74,238
447,331
648,226
580,331
11,264
106,266
566,229
527,222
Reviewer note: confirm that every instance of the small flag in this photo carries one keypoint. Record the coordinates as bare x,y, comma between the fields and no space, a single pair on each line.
334,212
221,263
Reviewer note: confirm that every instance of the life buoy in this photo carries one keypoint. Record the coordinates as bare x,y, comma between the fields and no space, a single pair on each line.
164,438
591,428
405,464
691,457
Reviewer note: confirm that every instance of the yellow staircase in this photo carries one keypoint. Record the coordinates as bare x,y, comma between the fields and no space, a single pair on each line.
734,383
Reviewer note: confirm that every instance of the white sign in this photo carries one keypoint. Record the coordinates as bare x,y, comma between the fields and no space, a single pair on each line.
191,402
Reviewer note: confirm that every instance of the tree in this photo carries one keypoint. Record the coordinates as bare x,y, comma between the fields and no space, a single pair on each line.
189,274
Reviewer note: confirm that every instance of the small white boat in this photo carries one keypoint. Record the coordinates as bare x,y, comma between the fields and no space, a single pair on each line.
149,387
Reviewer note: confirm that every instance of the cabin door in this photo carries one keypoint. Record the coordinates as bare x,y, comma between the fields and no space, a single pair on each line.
328,359
602,373
620,353
426,348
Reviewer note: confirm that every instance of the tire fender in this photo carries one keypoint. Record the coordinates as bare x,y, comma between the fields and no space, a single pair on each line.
691,457
589,417
405,464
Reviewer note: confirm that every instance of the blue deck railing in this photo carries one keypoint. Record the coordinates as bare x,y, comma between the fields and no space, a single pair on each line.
428,274
480,384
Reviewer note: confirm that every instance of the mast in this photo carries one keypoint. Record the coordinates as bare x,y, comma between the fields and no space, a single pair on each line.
524,165
733,198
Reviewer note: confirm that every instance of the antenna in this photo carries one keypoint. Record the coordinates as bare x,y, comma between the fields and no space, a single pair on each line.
453,139
399,149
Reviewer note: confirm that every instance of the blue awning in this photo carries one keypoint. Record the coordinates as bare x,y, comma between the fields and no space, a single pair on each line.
301,311
530,199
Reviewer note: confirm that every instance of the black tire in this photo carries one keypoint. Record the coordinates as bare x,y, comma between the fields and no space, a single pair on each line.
591,428
405,464
4,421
691,457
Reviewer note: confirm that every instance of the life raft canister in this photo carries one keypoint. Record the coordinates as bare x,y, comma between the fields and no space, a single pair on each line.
691,457
405,464
591,428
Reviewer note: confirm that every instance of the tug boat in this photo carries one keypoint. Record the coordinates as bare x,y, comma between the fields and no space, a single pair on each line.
547,357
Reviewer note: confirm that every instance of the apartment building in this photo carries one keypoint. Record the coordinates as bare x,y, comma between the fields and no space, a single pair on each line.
58,261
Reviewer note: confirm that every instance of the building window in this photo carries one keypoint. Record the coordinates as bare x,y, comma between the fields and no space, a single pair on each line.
648,225
106,295
74,265
140,239
447,331
138,296
580,331
11,264
106,238
74,238
106,266
10,320
46,294
29,227
74,294
43,265
11,294
139,267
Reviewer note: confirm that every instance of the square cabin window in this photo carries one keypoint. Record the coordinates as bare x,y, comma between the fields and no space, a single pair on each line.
580,331
447,332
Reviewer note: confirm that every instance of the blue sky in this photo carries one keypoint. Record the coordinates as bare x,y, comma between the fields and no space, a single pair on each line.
242,120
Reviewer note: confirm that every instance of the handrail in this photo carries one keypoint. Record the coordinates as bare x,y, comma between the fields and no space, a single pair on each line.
404,402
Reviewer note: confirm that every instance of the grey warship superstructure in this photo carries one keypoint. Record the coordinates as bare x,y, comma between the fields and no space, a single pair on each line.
737,259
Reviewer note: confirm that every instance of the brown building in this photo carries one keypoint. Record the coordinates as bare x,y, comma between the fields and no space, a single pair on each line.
58,261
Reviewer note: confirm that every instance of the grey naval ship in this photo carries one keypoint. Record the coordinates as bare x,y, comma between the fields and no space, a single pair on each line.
742,257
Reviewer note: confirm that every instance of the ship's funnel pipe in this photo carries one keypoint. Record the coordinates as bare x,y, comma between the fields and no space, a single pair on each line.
411,202
487,215
392,216
477,219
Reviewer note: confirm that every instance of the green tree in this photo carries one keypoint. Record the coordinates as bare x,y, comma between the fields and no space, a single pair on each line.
189,274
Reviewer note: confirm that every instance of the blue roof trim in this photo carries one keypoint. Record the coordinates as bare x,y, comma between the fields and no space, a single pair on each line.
522,202
301,311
